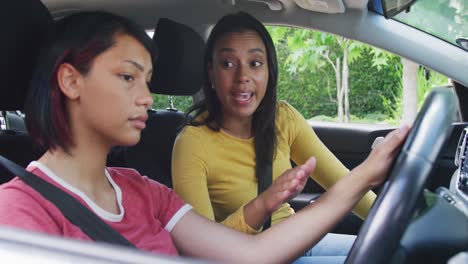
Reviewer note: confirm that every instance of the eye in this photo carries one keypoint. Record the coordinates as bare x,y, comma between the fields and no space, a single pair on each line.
126,77
256,64
227,64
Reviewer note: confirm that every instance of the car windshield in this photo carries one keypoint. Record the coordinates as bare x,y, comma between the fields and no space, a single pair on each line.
445,19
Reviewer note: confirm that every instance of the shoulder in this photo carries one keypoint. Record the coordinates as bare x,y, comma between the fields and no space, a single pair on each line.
129,179
16,190
286,113
16,193
146,193
195,135
124,173
133,184
129,176
23,207
196,131
285,109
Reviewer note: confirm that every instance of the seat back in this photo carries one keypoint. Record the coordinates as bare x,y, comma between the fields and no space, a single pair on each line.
152,155
23,24
178,71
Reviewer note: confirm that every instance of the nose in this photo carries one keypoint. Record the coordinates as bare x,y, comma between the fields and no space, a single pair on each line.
145,98
242,72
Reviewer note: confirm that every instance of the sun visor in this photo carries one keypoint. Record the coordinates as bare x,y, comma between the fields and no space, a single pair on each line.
323,6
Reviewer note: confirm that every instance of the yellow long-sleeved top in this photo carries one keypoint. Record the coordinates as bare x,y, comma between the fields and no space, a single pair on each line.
215,172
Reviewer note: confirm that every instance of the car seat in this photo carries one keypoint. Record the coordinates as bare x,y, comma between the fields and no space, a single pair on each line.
23,24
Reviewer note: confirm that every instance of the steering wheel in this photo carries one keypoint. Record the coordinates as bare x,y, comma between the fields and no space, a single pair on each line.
390,215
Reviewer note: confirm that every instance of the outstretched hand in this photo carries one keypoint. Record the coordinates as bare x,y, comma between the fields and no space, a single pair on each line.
287,186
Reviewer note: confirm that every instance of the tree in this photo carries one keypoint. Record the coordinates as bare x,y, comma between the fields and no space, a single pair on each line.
324,48
308,81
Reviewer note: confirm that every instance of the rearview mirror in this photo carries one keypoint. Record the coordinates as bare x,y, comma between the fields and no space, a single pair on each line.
392,8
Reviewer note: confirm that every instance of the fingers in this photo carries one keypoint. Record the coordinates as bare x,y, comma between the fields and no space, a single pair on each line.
308,167
288,185
391,143
398,135
375,167
300,174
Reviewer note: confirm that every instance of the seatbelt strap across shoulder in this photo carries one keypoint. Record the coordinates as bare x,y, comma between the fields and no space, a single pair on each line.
263,183
71,208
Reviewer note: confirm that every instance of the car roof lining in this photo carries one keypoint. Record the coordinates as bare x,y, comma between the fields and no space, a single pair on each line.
419,47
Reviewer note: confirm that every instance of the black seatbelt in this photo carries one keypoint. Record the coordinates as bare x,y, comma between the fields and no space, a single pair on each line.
71,208
263,183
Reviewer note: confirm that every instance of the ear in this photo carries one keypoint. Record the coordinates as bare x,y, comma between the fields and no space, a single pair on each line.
68,79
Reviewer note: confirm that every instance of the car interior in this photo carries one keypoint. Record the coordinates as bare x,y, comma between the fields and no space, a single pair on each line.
181,28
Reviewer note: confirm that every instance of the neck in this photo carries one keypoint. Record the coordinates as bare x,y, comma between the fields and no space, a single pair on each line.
83,167
238,127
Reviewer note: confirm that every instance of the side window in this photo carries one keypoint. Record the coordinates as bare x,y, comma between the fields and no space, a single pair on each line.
181,103
12,120
2,122
331,78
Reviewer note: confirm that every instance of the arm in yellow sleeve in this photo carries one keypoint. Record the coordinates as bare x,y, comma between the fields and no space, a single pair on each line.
305,143
189,179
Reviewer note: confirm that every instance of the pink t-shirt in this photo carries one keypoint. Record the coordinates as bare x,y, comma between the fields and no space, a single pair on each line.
148,210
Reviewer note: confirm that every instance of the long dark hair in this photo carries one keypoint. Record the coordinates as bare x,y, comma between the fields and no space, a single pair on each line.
263,121
77,39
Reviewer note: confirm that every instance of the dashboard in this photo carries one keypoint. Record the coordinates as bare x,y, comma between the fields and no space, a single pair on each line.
442,219
459,182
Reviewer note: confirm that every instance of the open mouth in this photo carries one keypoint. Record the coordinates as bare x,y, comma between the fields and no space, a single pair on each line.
243,97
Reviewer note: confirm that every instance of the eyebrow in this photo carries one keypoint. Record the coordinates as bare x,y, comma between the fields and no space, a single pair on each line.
136,64
139,66
250,50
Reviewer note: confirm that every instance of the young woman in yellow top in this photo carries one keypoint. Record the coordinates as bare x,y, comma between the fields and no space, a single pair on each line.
238,128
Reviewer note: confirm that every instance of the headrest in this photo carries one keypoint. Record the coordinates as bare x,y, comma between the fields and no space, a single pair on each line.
22,23
178,70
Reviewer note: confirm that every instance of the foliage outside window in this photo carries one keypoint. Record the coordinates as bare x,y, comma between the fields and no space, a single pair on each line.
181,103
369,89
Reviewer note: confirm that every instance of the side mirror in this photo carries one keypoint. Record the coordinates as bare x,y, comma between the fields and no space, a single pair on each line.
463,43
